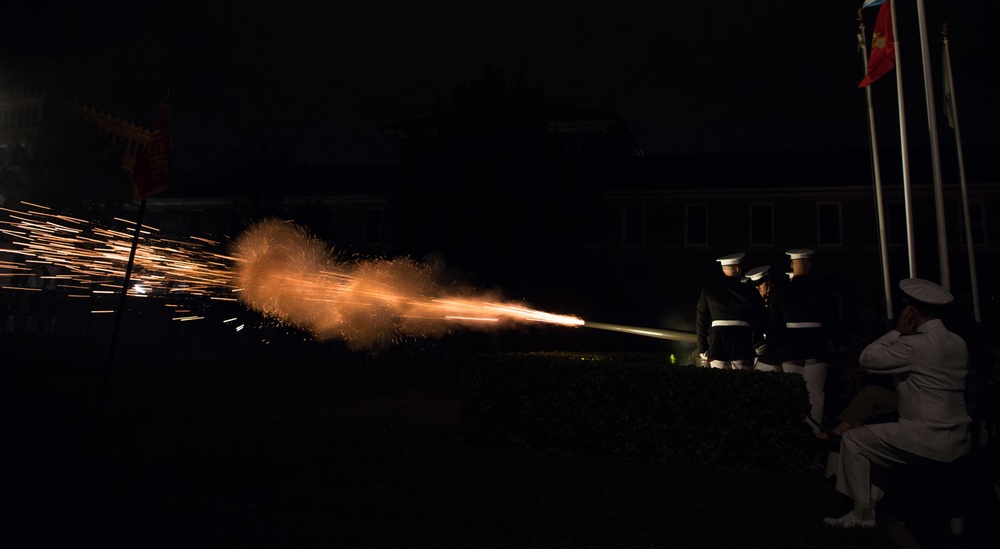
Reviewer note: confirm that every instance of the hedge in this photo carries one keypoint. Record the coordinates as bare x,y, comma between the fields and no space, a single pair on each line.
637,406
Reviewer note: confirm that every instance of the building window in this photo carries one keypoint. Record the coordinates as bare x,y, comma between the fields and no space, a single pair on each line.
696,225
153,218
761,224
215,221
977,223
373,226
174,222
194,222
634,225
331,222
828,224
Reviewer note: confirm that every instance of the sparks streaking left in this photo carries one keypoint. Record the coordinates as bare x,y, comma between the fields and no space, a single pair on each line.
274,267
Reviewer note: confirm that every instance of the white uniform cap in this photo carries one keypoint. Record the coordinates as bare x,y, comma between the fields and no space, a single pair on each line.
733,259
799,253
925,291
757,273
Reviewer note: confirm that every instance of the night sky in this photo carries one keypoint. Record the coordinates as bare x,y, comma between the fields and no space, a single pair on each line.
715,75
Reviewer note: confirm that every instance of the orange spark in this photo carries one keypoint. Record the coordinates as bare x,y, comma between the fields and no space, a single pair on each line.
275,268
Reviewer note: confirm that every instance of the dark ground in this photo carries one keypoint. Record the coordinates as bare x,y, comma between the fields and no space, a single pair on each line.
313,446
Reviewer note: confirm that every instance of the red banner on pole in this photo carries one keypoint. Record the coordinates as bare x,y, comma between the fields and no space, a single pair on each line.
883,56
151,171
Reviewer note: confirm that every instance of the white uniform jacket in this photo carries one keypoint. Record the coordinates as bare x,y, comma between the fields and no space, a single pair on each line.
930,366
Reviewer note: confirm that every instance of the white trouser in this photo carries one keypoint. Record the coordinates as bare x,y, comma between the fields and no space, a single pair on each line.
739,364
814,370
765,367
860,449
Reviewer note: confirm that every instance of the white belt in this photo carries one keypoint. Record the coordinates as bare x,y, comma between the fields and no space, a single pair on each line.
803,325
729,323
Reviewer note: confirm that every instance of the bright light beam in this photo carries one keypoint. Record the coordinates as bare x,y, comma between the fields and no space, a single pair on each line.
676,335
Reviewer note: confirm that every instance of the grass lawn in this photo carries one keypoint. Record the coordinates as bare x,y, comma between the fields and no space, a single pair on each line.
225,448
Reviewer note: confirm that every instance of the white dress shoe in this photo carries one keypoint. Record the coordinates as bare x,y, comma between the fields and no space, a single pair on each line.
850,520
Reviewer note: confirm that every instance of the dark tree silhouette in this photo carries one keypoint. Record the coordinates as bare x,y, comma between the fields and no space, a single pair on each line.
492,184
71,168
261,166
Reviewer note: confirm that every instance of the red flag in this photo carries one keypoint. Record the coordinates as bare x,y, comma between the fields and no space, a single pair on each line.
883,56
151,171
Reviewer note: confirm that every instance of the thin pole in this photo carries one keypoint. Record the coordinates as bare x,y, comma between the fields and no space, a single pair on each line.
879,204
121,301
905,156
120,312
942,233
950,97
128,277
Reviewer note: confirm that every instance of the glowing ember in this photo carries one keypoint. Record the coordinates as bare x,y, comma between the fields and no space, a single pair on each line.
90,259
276,268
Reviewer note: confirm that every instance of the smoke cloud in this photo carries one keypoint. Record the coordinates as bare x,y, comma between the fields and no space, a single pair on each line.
286,274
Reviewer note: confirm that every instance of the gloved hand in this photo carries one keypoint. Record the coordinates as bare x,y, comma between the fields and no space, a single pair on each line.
760,348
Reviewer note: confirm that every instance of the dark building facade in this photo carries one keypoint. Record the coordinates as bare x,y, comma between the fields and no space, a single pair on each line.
636,238
559,207
674,216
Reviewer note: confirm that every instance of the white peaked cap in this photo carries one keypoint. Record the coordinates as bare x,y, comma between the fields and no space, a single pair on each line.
925,291
799,253
757,273
733,259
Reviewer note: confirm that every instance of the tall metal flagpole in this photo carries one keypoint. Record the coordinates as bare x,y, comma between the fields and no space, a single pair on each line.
128,276
949,97
905,154
118,318
942,233
121,306
879,204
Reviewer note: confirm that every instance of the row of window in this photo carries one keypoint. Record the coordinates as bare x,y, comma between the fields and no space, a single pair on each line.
829,224
20,118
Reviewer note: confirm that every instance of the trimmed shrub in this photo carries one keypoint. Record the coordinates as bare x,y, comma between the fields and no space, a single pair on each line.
637,406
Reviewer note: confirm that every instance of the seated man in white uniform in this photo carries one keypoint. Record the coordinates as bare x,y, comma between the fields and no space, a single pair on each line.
933,426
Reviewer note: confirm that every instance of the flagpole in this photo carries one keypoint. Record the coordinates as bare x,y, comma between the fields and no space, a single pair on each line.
949,96
879,204
905,154
942,233
128,277
161,140
118,316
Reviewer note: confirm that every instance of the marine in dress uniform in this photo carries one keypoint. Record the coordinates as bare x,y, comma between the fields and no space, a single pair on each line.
729,313
799,315
930,363
768,357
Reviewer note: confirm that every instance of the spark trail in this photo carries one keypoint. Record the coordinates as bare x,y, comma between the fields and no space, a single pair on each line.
275,268
86,259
